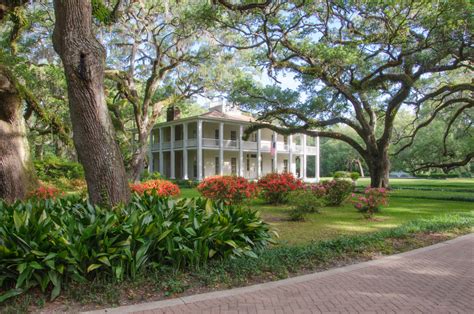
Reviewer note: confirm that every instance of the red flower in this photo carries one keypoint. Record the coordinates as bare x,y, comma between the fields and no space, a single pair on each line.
44,192
276,186
229,189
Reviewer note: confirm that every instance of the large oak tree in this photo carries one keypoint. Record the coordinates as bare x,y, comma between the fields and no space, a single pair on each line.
359,63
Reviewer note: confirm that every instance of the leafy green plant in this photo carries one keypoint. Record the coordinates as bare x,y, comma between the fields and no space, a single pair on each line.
53,168
46,243
341,175
303,202
147,175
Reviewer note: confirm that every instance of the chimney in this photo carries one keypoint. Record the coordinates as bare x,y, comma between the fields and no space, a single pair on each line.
172,113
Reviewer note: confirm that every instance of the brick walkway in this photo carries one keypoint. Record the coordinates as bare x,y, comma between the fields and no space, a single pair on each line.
437,279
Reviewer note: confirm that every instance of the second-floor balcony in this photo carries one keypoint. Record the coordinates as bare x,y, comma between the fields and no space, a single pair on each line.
228,144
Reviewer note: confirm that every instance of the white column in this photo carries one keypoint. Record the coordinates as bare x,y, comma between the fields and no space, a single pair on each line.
275,156
303,168
172,158
150,153
221,148
317,160
199,150
185,151
259,154
241,151
290,154
161,151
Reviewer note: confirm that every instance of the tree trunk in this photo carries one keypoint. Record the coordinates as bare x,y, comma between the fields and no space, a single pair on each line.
361,169
137,163
83,59
379,167
16,172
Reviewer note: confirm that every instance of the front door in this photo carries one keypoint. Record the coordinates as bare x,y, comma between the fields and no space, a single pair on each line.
250,166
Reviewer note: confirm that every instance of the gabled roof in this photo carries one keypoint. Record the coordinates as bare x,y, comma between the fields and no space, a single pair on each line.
237,116
215,113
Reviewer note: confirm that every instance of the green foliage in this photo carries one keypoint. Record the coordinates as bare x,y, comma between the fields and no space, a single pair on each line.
47,243
303,202
185,183
53,168
146,176
101,12
341,175
354,176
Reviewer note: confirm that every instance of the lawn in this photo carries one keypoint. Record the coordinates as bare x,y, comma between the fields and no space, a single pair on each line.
411,199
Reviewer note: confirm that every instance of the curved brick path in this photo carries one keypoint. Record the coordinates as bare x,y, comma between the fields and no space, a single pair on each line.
436,279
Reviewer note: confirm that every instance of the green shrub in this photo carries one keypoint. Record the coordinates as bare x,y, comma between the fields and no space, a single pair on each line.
45,243
354,176
337,191
303,202
341,175
190,184
146,176
54,168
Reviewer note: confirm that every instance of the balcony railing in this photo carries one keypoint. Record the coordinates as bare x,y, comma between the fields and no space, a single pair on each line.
265,146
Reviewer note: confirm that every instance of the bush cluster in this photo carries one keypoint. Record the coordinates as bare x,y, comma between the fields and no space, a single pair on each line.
161,188
53,168
337,191
276,187
46,243
228,189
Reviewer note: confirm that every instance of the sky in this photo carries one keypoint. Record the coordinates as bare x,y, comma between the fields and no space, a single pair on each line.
287,80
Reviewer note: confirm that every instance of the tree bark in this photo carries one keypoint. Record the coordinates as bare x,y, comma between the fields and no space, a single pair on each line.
16,172
379,167
138,158
83,59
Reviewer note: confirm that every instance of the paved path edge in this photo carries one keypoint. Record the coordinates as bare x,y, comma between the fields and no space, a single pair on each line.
271,284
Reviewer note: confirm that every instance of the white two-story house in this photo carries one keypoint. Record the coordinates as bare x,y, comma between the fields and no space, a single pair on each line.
211,144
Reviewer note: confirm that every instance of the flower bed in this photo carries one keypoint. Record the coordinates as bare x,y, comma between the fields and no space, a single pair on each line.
228,189
45,192
162,188
275,187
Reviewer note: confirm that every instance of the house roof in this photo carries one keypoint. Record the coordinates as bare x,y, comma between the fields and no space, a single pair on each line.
214,113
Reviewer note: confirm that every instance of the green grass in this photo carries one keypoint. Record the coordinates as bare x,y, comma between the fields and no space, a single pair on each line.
404,206
438,184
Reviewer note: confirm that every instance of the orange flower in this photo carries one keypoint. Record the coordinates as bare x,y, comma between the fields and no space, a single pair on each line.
162,188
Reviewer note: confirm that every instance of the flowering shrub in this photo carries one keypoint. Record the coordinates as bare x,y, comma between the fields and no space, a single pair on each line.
371,202
276,186
318,189
162,188
229,189
337,191
45,192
